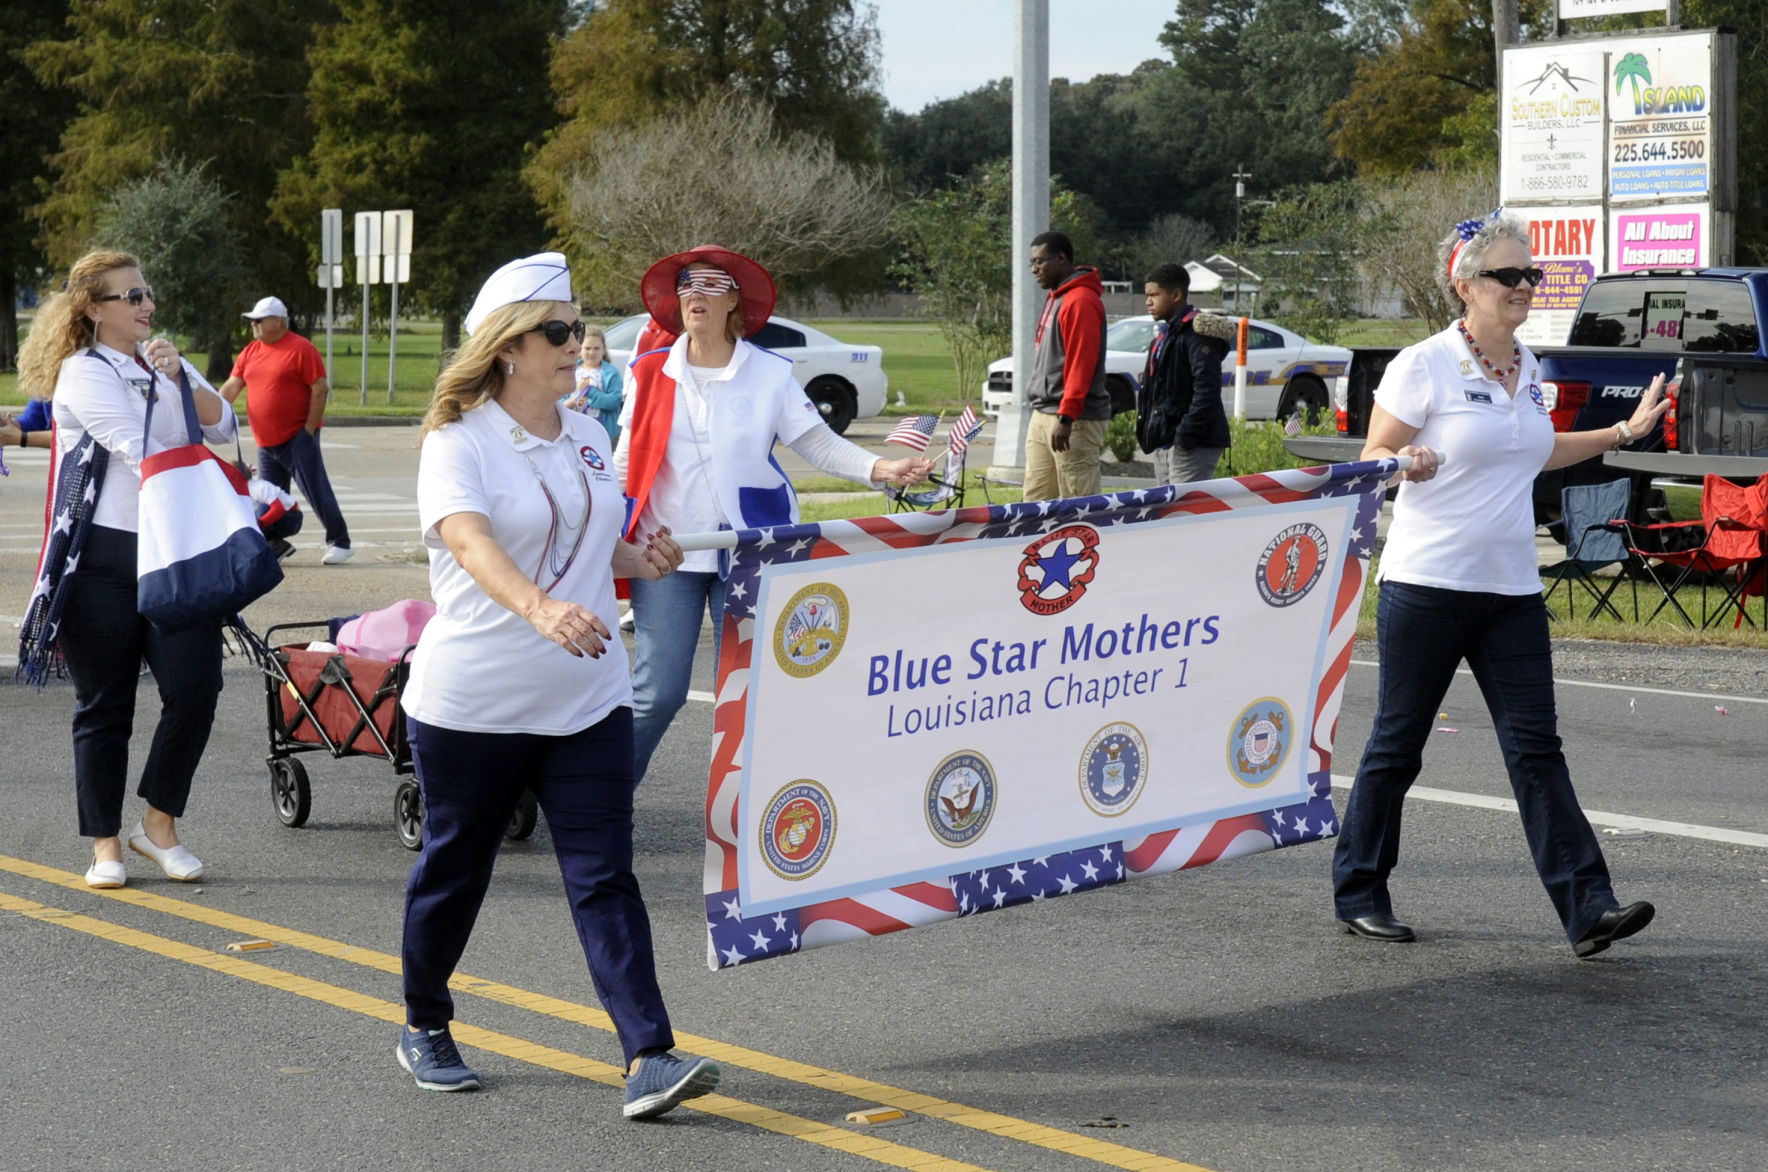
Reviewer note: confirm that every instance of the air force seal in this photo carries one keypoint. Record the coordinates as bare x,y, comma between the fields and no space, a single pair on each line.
798,830
1259,741
1113,767
961,798
808,635
1291,564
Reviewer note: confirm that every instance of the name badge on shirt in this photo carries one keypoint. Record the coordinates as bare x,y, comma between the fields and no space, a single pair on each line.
142,386
1478,396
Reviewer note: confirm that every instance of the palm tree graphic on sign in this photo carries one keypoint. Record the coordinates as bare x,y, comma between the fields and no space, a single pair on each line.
1632,68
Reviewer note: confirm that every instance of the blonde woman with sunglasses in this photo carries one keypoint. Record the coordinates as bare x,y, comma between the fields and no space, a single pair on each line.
1459,580
94,347
517,683
696,454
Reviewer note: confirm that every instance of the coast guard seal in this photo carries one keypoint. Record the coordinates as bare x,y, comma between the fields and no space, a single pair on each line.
798,830
809,633
1259,741
1112,768
961,798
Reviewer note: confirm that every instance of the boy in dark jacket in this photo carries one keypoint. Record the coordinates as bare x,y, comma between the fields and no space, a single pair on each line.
1179,415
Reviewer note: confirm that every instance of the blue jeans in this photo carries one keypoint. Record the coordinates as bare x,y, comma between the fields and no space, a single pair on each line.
1424,634
667,617
471,783
299,457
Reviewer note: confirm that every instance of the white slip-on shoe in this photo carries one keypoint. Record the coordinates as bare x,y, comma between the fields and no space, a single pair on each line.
106,874
178,863
336,555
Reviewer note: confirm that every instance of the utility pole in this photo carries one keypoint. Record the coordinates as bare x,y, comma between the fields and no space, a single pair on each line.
1240,177
1506,30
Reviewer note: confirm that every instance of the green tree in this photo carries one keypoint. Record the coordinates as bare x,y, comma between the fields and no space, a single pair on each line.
1250,84
1428,96
178,223
814,62
957,254
430,106
217,80
35,116
1307,249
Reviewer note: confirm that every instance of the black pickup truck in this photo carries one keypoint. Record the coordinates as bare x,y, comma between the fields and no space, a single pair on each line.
1705,327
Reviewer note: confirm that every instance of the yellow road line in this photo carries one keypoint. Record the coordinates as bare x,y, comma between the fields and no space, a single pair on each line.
736,1110
1006,1126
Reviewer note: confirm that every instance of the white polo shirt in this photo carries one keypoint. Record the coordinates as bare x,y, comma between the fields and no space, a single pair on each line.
480,667
106,397
1472,525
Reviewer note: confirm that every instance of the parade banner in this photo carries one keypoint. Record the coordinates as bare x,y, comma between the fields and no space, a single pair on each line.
929,715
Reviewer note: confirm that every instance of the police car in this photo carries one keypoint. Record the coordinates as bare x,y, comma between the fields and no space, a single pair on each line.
1285,373
845,381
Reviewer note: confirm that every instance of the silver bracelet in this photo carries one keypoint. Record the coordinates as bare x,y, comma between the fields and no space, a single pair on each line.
1625,432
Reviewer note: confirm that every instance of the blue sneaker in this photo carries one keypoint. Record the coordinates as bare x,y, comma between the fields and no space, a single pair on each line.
663,1081
431,1059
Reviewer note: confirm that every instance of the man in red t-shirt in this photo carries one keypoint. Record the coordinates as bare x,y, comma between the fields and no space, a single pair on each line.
286,388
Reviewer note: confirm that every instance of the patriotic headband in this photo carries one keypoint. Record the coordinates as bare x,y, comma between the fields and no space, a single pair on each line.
1467,230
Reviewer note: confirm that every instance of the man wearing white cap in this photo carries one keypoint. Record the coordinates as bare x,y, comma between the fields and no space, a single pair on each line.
287,388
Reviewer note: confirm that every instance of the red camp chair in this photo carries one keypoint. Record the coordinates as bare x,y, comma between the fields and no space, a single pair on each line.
1724,547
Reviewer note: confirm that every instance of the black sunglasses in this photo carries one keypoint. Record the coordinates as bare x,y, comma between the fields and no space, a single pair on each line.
558,333
1511,278
134,296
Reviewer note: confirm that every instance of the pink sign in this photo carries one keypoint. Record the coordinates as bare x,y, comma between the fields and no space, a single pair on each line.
1659,240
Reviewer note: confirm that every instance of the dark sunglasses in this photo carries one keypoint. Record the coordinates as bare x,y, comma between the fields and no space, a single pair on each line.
134,296
558,333
1511,278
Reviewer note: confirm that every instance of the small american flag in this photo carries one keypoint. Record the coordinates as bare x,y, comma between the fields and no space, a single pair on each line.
962,432
914,433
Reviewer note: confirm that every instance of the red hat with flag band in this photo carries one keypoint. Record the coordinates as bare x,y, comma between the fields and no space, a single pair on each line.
755,287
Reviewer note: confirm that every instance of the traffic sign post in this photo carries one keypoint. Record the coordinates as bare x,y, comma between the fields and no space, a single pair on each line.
331,270
368,272
395,270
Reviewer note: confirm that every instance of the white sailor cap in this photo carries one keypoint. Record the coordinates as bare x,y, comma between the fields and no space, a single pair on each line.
541,277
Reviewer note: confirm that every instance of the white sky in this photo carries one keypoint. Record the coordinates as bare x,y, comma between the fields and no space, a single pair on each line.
937,49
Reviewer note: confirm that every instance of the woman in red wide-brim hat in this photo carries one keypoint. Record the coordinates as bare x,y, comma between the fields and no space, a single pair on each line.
695,452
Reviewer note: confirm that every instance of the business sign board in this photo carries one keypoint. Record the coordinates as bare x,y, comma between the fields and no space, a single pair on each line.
1676,236
1575,9
1661,126
1552,123
1568,244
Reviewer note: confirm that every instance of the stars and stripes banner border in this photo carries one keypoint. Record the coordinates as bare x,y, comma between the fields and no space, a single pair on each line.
733,938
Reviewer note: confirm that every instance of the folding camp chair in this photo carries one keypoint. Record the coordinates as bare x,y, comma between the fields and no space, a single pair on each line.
947,490
1723,548
1595,540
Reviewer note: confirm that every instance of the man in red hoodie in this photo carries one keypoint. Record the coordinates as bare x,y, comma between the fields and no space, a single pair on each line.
1070,405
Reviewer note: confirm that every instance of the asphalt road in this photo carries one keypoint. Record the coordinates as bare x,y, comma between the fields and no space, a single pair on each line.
1208,1019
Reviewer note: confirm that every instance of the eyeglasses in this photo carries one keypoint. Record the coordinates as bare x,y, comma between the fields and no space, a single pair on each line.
1511,278
707,282
558,332
134,296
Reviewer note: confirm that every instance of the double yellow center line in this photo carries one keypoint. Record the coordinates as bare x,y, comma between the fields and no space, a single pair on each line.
731,1056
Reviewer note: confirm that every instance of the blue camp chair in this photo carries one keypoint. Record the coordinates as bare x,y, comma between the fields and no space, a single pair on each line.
1595,537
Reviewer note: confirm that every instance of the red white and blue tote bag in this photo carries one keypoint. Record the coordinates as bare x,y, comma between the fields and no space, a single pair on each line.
201,555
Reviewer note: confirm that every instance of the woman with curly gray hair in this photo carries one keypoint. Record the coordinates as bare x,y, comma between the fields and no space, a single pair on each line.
1459,580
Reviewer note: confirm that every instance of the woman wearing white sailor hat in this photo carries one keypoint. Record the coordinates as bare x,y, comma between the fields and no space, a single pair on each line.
518,684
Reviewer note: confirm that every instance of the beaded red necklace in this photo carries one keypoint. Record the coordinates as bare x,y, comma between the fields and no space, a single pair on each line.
1500,375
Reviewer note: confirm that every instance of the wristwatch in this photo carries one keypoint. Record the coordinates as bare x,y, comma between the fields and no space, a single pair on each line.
1064,420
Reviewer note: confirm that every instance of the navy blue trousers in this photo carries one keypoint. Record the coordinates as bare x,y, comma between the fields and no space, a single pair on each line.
299,457
1424,634
103,640
471,783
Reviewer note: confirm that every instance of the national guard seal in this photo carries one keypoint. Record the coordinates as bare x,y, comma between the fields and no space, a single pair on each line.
961,798
1259,741
1056,569
798,830
1113,767
1291,564
809,633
